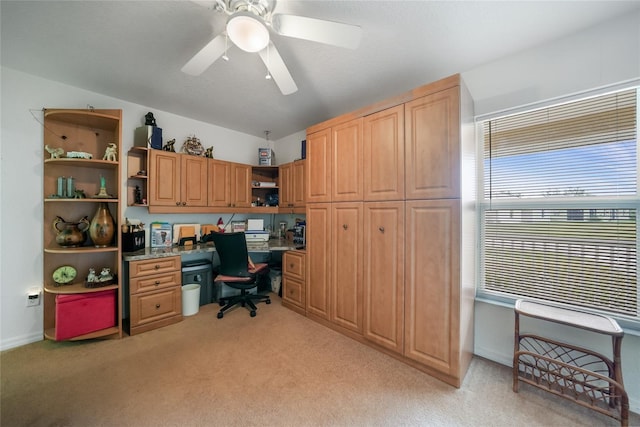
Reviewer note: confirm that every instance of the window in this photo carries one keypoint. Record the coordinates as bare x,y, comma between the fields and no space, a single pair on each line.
559,206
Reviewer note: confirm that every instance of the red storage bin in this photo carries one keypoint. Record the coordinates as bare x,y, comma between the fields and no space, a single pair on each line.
80,314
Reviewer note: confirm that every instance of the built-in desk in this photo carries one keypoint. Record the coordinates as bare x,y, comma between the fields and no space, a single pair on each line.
273,245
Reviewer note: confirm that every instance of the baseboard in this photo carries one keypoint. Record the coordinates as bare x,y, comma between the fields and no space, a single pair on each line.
20,341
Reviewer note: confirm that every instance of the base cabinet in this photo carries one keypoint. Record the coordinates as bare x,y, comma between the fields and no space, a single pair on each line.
293,280
318,236
154,296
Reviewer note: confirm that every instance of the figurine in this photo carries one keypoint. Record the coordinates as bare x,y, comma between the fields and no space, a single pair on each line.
209,153
137,195
110,153
92,276
105,275
169,146
149,120
56,153
79,194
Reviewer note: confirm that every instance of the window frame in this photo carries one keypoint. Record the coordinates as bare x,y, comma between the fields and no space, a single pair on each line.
631,324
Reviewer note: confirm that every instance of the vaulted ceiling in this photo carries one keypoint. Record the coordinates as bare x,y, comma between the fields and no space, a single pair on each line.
134,51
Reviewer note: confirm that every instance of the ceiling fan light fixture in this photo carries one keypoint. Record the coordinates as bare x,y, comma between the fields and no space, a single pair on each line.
248,32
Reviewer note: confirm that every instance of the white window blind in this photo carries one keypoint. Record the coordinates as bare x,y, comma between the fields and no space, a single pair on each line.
560,204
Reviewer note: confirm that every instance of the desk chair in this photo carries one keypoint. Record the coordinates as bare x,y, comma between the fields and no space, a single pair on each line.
237,271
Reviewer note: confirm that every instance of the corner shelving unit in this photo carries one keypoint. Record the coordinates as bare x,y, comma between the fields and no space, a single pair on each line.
86,131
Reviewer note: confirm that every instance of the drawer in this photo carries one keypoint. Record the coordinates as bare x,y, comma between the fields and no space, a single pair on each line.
155,265
293,265
293,291
154,281
154,306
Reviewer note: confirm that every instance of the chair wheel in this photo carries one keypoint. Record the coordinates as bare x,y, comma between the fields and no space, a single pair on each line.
252,313
268,301
220,314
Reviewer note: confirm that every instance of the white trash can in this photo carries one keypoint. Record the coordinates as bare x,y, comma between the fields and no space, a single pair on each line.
190,299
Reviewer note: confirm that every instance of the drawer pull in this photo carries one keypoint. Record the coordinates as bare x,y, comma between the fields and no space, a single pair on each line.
157,282
381,229
157,267
157,305
345,226
291,265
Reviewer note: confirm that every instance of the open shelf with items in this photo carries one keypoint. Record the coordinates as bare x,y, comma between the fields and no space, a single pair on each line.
264,187
138,177
81,177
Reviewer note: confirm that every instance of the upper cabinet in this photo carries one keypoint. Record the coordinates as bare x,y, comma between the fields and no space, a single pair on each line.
432,148
318,172
384,155
81,238
346,155
177,180
219,187
292,189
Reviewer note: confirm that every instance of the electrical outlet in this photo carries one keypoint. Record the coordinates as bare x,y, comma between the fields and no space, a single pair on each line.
33,300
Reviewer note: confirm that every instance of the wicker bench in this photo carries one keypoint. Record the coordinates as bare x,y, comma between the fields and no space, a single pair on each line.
583,376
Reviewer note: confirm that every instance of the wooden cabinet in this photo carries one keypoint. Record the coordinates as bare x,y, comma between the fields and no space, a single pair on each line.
177,180
346,265
88,133
264,182
432,146
240,185
383,280
219,186
318,233
154,297
293,280
432,285
346,162
384,155
318,171
292,188
418,278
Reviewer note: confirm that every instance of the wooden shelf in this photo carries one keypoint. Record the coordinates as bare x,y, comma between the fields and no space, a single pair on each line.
79,249
76,288
87,163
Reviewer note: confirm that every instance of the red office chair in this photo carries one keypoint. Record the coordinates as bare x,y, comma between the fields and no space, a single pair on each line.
237,271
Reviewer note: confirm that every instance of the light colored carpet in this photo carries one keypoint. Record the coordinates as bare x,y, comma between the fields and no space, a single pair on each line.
277,369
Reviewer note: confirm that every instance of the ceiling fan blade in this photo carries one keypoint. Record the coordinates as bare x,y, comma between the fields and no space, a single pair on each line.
317,30
278,70
207,56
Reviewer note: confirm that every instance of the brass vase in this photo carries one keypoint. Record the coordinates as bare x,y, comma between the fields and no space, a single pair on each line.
103,227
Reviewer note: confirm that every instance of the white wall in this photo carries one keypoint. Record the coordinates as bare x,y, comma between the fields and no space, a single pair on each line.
601,56
23,98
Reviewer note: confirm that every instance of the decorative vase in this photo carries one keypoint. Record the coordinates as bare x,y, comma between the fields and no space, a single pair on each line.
70,234
103,227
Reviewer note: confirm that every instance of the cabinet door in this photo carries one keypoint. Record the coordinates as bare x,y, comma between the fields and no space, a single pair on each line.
432,280
318,262
240,185
384,155
219,186
193,181
347,159
298,181
346,265
432,146
318,170
285,176
384,274
164,178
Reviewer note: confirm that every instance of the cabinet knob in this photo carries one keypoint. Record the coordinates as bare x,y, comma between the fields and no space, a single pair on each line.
157,305
157,267
157,282
381,229
177,203
345,226
184,203
291,265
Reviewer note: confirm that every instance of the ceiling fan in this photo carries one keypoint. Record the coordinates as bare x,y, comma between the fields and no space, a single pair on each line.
248,27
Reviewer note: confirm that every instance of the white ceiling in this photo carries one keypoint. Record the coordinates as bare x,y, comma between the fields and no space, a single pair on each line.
134,50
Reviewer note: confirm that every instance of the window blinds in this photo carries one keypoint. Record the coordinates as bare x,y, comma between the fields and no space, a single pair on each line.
560,204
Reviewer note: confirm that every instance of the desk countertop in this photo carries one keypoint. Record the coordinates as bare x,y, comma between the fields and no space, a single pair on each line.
150,253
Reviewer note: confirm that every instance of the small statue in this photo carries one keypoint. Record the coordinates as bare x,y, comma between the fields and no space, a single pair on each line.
103,189
79,194
105,275
56,153
169,146
149,120
91,278
137,195
110,153
209,153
